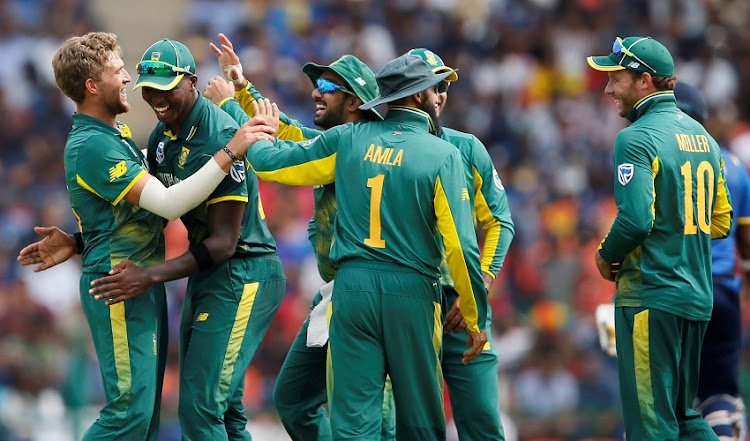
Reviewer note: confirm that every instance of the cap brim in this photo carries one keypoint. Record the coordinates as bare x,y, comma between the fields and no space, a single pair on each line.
411,90
452,77
156,82
314,71
604,63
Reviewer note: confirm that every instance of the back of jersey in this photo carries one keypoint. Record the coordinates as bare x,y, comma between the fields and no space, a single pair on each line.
387,185
672,268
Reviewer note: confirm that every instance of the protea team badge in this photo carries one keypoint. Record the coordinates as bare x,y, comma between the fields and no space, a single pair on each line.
160,152
183,156
625,173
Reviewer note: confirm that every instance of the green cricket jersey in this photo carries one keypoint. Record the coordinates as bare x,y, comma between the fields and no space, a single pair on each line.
399,186
672,200
489,202
174,157
102,164
320,228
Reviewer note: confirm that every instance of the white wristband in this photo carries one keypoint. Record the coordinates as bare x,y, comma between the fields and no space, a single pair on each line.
172,202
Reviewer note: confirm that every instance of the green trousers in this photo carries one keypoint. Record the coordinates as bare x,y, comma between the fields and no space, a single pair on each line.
385,320
658,360
227,311
130,339
472,388
300,392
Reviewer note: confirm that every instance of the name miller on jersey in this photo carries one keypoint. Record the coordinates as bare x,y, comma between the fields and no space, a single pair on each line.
168,179
693,143
379,155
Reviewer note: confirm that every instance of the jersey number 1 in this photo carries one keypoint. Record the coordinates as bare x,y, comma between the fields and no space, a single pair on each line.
705,197
376,184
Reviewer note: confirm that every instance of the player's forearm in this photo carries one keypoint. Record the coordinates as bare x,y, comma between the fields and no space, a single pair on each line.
289,128
289,163
172,202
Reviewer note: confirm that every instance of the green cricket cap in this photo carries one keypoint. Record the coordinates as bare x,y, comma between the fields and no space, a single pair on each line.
359,78
641,54
164,64
435,62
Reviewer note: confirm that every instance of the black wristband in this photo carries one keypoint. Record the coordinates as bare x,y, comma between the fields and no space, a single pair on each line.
229,152
79,242
201,255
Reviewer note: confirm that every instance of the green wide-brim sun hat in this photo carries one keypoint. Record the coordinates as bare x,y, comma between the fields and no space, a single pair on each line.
359,78
404,76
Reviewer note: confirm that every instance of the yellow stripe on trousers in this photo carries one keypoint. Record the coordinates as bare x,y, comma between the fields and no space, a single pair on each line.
244,310
121,349
642,364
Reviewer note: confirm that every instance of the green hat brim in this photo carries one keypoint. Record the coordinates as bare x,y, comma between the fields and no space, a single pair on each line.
452,77
411,90
604,63
314,71
156,82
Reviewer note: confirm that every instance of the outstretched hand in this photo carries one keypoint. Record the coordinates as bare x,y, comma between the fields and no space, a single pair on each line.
268,111
250,132
126,280
229,62
56,247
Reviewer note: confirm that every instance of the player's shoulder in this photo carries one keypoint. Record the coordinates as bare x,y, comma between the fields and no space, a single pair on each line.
95,143
214,118
457,136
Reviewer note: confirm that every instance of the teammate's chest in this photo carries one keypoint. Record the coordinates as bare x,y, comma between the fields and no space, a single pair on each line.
178,158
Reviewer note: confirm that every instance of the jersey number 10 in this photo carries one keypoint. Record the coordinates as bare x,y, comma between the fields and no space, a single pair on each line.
703,204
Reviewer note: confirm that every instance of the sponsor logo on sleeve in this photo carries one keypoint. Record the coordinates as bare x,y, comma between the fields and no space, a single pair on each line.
118,170
160,152
496,179
625,173
238,170
310,141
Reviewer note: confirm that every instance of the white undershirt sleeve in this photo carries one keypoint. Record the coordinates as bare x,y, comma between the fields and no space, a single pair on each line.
172,202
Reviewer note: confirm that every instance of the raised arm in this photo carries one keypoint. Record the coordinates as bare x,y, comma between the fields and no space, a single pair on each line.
245,94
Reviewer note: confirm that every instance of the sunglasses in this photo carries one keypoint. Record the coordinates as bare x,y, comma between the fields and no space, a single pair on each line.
442,86
160,69
619,49
328,86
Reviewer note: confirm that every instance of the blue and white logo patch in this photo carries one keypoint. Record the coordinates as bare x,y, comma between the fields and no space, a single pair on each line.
625,173
160,152
496,179
309,141
237,171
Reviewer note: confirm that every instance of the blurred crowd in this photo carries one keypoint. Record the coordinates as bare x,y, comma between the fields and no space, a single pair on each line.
525,90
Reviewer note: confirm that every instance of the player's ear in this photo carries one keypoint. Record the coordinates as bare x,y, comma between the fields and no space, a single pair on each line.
353,103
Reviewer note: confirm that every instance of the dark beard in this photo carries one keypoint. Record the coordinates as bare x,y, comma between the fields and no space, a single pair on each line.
430,110
333,117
